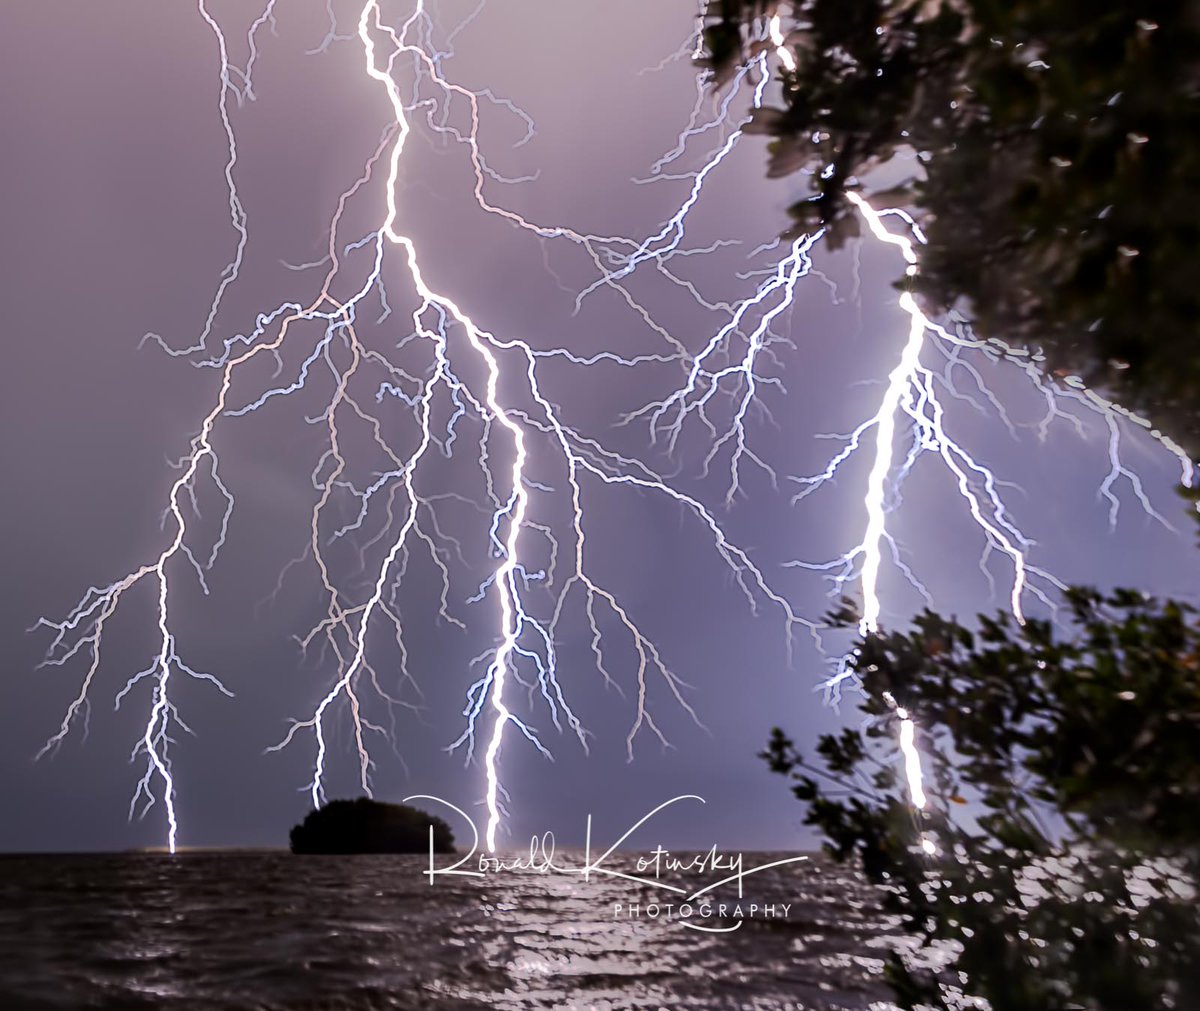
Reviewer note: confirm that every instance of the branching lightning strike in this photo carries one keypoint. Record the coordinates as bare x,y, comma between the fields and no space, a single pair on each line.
456,376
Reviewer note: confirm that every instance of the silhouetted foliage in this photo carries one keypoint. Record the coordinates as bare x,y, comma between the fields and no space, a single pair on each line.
368,826
1063,783
1059,149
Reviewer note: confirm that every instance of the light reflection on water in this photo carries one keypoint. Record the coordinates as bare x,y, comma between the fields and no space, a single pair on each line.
273,931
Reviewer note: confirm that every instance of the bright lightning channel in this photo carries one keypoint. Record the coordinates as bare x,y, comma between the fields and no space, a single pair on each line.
910,388
435,322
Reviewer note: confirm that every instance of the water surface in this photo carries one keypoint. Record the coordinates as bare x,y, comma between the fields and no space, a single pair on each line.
269,930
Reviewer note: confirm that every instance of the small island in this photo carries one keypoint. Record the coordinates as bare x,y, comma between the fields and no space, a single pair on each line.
369,826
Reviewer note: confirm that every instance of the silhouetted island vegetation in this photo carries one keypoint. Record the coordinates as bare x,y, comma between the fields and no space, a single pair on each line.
369,826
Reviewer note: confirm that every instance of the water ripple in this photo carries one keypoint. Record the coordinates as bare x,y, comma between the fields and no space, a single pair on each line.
275,932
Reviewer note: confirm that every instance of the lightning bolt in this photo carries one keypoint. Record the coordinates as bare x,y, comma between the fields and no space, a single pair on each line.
467,389
910,388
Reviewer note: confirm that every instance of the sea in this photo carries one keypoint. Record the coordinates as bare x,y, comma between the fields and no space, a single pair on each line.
274,931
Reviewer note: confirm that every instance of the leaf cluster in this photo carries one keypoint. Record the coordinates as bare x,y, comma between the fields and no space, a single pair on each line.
1063,777
1058,153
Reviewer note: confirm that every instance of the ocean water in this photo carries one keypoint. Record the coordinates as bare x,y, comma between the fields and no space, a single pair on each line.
269,930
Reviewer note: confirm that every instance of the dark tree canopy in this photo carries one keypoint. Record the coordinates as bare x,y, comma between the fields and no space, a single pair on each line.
1063,783
368,826
1059,148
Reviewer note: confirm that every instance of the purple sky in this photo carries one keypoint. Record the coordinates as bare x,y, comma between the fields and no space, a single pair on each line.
117,223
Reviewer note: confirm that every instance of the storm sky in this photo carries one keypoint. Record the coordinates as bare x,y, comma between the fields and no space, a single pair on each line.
117,224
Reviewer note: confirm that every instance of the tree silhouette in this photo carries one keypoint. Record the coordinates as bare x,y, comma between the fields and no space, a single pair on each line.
1063,784
1057,164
